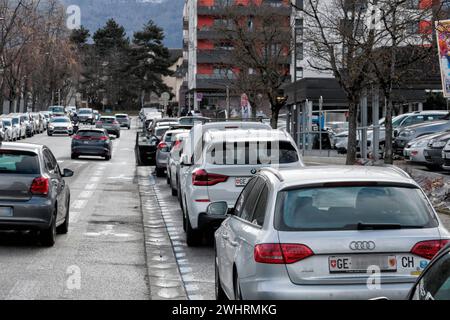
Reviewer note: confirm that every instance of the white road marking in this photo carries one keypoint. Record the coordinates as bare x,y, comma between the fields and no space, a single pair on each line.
23,290
79,204
86,194
73,217
91,186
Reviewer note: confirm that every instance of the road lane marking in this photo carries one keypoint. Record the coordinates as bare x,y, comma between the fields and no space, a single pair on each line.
91,186
23,290
86,194
79,204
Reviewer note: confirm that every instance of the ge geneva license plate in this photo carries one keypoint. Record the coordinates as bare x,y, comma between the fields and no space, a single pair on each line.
362,263
6,212
242,182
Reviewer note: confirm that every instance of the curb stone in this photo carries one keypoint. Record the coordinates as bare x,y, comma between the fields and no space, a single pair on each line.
164,276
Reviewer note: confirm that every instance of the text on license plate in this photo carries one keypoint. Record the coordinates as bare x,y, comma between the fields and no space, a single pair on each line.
362,263
241,182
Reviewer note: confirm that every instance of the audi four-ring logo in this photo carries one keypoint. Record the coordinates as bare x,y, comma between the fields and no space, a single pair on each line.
362,245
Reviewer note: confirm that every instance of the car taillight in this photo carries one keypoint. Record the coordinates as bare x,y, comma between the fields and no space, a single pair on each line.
176,144
40,186
428,249
99,123
162,145
77,137
281,253
202,178
103,138
115,122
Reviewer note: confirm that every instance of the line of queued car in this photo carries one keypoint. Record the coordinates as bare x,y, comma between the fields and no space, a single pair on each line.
19,126
282,230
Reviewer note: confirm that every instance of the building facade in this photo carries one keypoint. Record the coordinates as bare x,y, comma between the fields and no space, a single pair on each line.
207,82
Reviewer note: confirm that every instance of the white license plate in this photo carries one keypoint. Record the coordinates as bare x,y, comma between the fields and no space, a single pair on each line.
6,212
362,263
241,182
446,155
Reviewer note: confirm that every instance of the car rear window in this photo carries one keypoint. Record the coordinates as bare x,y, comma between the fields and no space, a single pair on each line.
18,162
93,134
121,117
350,208
84,111
161,131
251,153
60,120
107,120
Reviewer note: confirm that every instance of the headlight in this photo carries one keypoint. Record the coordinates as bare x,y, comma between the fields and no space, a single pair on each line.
439,144
51,127
420,144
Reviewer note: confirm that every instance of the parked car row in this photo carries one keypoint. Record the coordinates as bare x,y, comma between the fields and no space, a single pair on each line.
19,126
287,231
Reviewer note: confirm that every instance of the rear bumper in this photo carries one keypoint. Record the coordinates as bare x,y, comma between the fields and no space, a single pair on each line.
434,156
35,214
161,159
260,289
84,150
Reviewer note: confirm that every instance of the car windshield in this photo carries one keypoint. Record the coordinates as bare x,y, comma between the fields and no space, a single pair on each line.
56,109
120,116
84,112
7,123
191,121
352,208
60,120
250,153
15,121
18,162
161,131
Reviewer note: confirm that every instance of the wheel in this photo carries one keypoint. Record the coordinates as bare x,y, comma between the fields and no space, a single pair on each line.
48,236
107,158
129,127
118,135
220,294
73,157
49,134
193,237
64,228
159,172
174,191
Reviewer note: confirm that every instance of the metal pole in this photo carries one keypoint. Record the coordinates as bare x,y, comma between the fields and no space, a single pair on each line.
376,123
320,123
228,102
364,125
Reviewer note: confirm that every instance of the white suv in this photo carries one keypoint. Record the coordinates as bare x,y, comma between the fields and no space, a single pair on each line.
222,164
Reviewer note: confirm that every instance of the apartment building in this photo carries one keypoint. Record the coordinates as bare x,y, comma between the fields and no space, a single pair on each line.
209,77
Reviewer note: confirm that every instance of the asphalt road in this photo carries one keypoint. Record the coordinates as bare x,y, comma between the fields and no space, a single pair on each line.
103,256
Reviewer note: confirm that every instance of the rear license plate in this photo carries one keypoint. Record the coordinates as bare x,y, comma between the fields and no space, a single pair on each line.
6,212
361,263
241,182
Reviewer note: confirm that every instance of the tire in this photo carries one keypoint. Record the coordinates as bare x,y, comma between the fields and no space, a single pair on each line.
433,167
174,192
220,294
159,172
118,135
193,237
49,134
107,158
73,157
48,237
64,228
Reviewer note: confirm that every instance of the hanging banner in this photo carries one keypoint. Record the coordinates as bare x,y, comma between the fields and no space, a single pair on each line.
443,41
246,108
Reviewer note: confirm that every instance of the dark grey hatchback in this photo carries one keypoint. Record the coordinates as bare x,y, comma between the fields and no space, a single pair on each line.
33,193
92,142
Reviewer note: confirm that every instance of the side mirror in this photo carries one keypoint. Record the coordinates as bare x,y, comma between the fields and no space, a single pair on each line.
67,173
185,161
218,208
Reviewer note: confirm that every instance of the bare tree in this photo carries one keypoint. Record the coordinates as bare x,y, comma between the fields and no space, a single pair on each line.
261,40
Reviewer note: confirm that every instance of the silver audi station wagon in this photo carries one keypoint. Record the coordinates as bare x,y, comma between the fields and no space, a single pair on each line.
325,233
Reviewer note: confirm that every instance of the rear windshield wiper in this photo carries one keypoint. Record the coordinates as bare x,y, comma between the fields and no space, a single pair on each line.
384,226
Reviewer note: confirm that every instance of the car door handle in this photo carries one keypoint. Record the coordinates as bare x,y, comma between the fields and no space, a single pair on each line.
234,244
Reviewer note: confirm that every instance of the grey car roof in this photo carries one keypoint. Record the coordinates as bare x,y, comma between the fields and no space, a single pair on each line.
21,146
247,135
324,174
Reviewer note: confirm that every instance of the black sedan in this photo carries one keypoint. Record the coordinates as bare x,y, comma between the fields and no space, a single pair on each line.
92,142
33,193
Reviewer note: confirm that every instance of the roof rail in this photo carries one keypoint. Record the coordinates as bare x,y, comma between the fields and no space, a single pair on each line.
276,173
